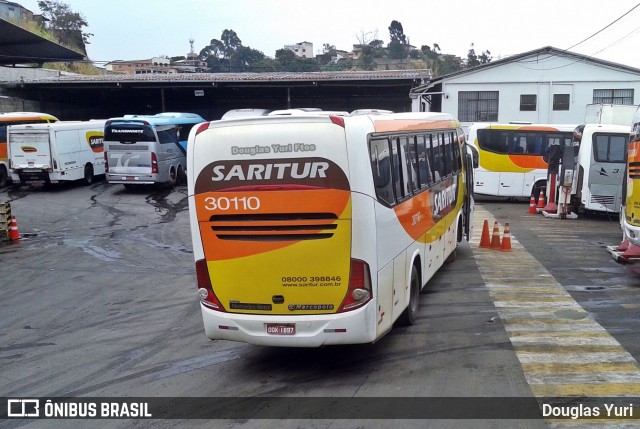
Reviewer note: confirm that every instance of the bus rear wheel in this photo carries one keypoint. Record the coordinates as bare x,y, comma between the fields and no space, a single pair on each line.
173,177
88,174
410,314
4,176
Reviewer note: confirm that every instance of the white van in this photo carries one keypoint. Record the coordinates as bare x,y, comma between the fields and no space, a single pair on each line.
56,152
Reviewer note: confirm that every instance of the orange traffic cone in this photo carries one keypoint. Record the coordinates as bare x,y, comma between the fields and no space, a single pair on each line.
505,246
495,238
13,229
485,241
532,205
541,200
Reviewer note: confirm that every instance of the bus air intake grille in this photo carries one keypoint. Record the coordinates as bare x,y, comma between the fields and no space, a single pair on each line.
605,200
274,227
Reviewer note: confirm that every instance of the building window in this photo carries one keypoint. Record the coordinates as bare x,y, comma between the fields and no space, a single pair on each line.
476,106
528,102
560,101
613,96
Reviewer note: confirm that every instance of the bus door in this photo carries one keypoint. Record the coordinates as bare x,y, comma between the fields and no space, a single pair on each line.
512,182
470,162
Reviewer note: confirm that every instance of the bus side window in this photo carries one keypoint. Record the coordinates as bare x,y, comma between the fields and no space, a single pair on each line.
445,147
169,135
494,140
457,159
3,133
409,172
534,144
436,156
424,169
396,169
381,169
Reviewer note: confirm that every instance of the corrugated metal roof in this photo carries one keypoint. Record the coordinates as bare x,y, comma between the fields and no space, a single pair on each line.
422,74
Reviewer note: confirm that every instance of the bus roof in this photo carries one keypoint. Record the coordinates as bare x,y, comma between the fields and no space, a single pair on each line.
12,116
163,118
521,125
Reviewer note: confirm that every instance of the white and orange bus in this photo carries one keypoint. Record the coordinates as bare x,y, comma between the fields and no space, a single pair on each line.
514,156
629,250
316,230
16,118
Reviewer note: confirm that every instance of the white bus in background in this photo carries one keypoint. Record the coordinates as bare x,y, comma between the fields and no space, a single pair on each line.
513,157
244,113
311,111
600,152
56,152
148,149
311,230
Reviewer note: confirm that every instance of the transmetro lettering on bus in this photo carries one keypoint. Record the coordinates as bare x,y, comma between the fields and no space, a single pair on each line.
329,238
148,149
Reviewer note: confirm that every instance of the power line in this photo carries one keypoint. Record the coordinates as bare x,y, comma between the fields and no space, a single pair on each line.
605,27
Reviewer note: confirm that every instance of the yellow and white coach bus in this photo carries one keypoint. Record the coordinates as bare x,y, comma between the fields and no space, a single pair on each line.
630,214
514,156
316,230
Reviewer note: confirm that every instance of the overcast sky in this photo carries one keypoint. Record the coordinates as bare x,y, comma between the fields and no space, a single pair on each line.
140,29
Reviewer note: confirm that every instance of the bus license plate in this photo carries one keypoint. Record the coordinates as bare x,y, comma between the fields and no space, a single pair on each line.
281,328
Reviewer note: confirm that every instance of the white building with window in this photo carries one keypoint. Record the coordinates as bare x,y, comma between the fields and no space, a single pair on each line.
302,49
547,85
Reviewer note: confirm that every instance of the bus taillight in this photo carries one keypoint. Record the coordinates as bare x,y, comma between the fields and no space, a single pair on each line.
338,120
205,290
202,127
359,292
106,162
154,163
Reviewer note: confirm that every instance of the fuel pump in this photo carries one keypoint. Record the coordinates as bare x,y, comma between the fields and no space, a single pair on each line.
560,176
567,175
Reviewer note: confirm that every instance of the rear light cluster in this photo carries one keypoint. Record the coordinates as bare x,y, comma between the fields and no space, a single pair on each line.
154,163
205,290
106,162
359,292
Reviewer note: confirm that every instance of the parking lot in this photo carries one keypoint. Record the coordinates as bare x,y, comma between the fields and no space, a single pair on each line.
98,300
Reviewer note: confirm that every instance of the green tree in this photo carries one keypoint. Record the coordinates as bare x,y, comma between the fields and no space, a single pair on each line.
244,58
485,57
231,42
397,41
286,57
472,58
66,24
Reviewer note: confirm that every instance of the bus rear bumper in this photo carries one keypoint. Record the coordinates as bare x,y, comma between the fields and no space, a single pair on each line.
353,327
123,179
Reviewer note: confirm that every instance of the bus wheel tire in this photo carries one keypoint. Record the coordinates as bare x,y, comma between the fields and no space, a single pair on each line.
173,178
410,314
88,174
4,176
182,177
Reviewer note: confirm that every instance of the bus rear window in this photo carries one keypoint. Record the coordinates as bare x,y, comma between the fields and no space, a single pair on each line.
129,133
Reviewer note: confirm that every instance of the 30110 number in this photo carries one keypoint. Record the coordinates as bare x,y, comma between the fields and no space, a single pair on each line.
235,203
